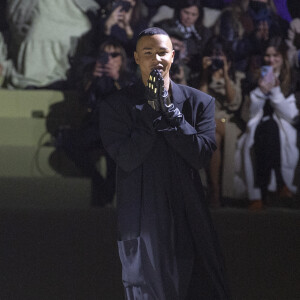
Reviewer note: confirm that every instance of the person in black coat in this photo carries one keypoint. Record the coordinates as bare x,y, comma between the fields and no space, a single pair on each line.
159,134
102,74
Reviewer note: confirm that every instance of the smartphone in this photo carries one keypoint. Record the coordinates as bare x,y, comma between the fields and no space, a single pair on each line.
267,74
264,70
103,58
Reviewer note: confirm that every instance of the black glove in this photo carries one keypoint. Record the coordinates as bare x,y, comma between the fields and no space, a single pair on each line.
172,114
158,97
152,90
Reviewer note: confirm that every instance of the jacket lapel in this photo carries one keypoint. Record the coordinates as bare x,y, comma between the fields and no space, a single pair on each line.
177,95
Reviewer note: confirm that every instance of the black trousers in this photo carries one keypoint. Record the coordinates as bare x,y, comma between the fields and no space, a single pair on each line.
266,150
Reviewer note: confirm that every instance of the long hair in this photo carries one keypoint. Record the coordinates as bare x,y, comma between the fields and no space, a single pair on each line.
285,79
136,13
187,4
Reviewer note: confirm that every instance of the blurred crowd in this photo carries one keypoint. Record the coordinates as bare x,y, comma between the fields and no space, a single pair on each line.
244,53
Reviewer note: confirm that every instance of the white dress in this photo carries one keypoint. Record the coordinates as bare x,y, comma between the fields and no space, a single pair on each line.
284,111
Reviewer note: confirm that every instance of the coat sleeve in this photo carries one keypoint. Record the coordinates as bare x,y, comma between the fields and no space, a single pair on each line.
284,107
196,144
127,142
257,101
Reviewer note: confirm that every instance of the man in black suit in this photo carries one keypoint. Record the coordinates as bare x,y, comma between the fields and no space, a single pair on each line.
159,134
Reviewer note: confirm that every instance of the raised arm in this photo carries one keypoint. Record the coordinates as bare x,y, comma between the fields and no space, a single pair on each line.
127,141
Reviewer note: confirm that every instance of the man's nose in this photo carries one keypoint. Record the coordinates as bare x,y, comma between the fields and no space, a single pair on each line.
157,57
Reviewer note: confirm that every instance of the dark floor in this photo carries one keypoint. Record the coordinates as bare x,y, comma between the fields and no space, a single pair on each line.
71,254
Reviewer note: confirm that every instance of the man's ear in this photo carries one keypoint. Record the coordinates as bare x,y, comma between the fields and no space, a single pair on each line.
173,55
136,57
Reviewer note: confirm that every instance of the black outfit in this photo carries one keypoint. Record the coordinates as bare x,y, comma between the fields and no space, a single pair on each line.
267,151
167,244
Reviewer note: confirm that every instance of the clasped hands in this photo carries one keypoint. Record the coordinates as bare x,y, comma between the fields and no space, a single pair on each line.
158,98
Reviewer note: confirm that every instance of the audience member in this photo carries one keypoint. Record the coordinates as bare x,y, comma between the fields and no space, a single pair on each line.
187,19
123,21
267,153
293,40
43,35
219,79
229,27
108,74
179,70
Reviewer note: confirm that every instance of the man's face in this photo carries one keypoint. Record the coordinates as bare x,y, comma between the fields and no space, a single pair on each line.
154,52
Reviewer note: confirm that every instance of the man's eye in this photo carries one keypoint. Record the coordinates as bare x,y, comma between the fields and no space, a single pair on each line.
162,53
147,53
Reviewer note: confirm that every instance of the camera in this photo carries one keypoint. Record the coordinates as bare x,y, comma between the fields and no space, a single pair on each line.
216,64
103,58
125,5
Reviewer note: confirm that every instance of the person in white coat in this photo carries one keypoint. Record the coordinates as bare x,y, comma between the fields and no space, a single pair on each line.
267,153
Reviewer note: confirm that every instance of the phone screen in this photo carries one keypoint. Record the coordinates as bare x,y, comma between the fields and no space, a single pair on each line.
265,70
267,74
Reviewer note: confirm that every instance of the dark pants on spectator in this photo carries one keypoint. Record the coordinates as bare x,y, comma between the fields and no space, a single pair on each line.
267,155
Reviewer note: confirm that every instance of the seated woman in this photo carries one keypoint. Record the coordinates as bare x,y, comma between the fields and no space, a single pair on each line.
107,74
188,19
267,152
219,79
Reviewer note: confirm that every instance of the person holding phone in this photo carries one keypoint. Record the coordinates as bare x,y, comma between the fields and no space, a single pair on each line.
121,16
267,153
122,21
219,78
106,74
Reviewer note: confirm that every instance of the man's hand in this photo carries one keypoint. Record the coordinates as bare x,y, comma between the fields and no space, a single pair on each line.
153,89
158,95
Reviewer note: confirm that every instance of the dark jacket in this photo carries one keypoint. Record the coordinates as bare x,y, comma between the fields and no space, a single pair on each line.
167,243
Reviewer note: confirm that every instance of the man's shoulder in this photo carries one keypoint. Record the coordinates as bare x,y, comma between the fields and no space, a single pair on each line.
193,94
123,96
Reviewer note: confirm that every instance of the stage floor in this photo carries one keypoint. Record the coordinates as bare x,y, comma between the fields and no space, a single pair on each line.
71,253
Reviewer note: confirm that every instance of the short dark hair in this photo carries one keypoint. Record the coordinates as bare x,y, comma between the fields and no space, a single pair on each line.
151,31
